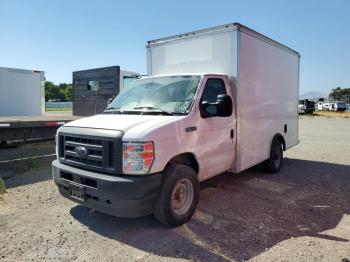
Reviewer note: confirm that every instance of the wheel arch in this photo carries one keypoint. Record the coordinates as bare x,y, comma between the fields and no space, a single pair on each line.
188,159
280,138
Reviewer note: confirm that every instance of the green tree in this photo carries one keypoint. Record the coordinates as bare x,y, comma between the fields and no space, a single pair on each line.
51,91
340,94
61,92
68,92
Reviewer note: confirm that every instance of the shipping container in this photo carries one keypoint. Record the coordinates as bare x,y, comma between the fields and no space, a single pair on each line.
22,92
94,88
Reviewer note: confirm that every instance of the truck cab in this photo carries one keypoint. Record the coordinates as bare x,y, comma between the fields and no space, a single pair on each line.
306,106
147,152
147,122
338,106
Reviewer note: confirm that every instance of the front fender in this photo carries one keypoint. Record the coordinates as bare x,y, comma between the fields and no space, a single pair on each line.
167,149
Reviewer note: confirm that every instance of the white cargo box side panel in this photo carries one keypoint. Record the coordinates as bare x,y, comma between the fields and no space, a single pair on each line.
21,92
211,52
267,97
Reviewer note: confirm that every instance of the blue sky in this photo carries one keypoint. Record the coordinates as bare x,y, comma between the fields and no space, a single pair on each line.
63,36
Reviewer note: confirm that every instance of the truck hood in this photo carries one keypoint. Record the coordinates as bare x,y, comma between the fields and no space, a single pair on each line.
137,123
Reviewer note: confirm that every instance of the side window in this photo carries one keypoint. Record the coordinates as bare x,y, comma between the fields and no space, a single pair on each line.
213,88
92,85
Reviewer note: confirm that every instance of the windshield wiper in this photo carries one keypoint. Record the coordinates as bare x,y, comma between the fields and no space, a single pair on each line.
112,110
117,110
152,108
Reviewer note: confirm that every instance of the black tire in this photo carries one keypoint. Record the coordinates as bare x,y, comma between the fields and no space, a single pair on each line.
275,162
176,176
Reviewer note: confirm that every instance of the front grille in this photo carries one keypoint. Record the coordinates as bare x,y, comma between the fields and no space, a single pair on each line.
88,152
94,152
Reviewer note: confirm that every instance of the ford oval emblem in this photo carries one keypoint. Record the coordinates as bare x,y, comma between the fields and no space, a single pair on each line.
81,151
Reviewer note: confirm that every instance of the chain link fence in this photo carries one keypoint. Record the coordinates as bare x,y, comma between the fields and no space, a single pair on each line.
57,106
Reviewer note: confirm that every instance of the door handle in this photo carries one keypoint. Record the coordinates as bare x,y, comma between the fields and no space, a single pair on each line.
232,133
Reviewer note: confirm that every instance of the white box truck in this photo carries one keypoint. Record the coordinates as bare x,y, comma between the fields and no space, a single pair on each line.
216,100
22,92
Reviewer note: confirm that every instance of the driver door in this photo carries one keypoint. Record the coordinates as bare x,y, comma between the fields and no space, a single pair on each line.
216,133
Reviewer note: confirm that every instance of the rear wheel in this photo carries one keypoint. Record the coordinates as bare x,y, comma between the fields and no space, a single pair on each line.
178,196
274,163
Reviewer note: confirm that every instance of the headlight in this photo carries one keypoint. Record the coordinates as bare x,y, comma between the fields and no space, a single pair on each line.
137,157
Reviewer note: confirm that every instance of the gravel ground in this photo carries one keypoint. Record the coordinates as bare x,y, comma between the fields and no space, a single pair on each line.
300,214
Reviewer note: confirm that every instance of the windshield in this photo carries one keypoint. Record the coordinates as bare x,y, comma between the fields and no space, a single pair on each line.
161,95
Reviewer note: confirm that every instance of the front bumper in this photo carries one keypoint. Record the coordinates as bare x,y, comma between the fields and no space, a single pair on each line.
122,196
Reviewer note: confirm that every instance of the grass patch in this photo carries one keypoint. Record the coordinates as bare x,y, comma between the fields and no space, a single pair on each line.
63,109
2,186
33,164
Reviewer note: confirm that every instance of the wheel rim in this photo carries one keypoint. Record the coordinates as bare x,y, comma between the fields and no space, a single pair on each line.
277,157
182,196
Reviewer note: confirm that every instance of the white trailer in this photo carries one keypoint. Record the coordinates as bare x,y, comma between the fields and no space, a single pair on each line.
216,100
22,92
331,106
323,106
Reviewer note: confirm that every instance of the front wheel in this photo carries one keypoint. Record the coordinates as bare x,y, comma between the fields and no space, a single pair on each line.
274,163
178,196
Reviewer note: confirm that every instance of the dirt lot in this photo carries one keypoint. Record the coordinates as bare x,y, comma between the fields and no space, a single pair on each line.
300,214
332,114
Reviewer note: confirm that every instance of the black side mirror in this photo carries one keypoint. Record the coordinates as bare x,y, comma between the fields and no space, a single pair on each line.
203,108
110,100
224,105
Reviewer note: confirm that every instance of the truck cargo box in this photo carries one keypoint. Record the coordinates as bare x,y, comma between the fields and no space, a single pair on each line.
264,77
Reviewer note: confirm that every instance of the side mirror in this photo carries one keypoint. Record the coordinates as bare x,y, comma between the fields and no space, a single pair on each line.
110,100
203,108
224,105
